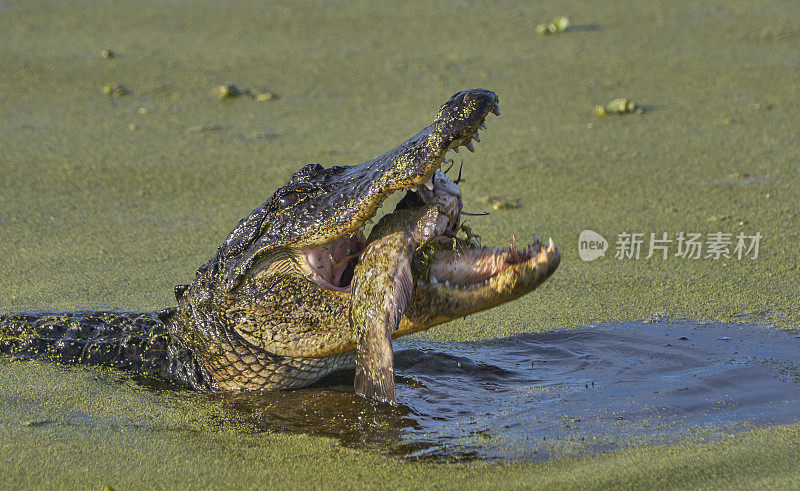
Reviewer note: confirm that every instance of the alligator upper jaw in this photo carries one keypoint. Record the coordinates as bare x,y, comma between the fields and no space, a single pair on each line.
332,250
406,166
318,207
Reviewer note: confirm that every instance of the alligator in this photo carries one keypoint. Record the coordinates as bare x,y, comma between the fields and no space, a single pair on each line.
297,291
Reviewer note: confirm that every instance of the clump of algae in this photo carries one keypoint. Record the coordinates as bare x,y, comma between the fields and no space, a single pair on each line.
559,25
230,90
618,106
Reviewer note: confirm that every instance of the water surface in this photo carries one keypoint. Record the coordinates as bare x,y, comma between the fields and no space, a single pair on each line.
106,206
535,396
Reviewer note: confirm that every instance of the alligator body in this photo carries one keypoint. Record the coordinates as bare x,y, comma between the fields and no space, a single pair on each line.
297,291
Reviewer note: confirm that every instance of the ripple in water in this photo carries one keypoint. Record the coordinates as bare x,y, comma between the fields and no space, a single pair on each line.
535,396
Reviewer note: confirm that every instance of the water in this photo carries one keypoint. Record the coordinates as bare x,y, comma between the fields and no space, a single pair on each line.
527,397
535,396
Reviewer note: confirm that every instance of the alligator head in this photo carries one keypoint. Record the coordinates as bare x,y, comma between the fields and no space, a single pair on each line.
271,308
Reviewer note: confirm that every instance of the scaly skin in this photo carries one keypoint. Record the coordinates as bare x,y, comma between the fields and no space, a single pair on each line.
272,308
123,340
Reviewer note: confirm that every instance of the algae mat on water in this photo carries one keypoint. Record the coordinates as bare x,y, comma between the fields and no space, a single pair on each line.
123,171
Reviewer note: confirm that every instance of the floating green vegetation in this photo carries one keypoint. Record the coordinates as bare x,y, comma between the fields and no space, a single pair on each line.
227,90
115,90
499,204
621,105
559,24
471,237
230,90
264,96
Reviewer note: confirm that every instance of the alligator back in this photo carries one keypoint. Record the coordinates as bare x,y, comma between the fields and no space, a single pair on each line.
125,340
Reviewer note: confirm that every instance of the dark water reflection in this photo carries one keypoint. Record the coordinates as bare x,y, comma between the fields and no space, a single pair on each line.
534,396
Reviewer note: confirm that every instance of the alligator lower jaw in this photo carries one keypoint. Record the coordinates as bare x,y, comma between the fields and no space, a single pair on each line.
476,270
450,284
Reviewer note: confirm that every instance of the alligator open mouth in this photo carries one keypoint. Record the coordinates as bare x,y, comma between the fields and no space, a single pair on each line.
447,262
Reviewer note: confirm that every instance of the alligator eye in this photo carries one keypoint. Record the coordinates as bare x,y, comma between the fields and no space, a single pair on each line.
288,200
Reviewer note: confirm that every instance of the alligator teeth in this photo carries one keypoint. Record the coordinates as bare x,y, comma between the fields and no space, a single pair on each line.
429,184
476,137
483,125
434,281
470,146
